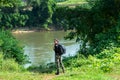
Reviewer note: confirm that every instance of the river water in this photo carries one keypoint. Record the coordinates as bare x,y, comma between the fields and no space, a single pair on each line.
39,45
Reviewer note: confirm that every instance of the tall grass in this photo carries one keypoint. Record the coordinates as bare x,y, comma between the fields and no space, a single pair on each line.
11,70
8,64
76,68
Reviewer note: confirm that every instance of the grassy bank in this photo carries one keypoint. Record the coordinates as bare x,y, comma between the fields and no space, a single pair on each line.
77,68
81,73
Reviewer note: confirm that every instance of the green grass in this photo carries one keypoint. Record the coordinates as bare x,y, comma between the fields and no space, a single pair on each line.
20,76
85,72
80,73
76,68
72,3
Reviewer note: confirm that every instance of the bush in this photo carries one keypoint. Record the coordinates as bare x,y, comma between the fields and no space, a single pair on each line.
116,58
108,53
11,48
76,61
12,20
8,64
107,59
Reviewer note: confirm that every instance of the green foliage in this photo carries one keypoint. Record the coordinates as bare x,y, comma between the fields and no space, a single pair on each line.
116,58
12,20
41,13
84,73
107,59
96,28
104,61
11,48
108,53
9,14
106,64
8,64
10,3
98,68
76,61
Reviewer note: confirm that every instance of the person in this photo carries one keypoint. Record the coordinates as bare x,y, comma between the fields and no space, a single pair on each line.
58,55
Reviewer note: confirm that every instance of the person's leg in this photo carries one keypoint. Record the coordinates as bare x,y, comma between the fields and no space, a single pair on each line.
57,64
61,64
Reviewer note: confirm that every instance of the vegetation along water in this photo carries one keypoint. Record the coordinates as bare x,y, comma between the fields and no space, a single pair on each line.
93,24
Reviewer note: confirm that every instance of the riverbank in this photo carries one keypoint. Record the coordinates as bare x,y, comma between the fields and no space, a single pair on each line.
28,30
76,68
36,29
80,73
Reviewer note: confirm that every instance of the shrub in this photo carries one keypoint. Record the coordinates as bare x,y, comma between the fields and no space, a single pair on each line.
107,59
11,48
116,58
75,61
12,20
8,64
108,53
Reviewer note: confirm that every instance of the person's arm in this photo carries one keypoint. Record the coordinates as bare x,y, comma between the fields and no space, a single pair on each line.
60,48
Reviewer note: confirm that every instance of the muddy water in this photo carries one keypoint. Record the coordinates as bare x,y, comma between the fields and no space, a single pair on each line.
39,45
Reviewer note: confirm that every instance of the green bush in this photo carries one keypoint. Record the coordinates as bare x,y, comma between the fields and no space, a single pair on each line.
12,20
8,64
107,59
108,53
105,54
41,14
96,28
11,48
76,61
116,58
106,65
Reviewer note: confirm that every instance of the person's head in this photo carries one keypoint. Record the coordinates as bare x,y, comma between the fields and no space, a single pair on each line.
56,41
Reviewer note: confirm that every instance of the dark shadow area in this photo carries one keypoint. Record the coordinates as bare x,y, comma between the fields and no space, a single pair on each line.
49,68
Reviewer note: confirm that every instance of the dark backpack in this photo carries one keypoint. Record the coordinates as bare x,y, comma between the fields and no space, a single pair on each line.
62,49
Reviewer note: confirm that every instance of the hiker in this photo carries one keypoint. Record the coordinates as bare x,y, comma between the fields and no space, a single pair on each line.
58,54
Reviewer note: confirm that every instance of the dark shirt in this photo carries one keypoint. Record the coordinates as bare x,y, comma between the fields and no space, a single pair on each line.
57,49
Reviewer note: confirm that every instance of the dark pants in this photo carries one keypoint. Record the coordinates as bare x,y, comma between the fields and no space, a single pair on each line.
59,63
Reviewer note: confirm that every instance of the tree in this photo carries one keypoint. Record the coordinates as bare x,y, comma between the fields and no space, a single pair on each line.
10,3
11,48
9,14
10,17
42,12
96,28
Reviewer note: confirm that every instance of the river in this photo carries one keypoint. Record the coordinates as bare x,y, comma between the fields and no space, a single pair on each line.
39,45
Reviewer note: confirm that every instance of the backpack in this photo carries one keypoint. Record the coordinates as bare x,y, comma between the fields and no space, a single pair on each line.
62,49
